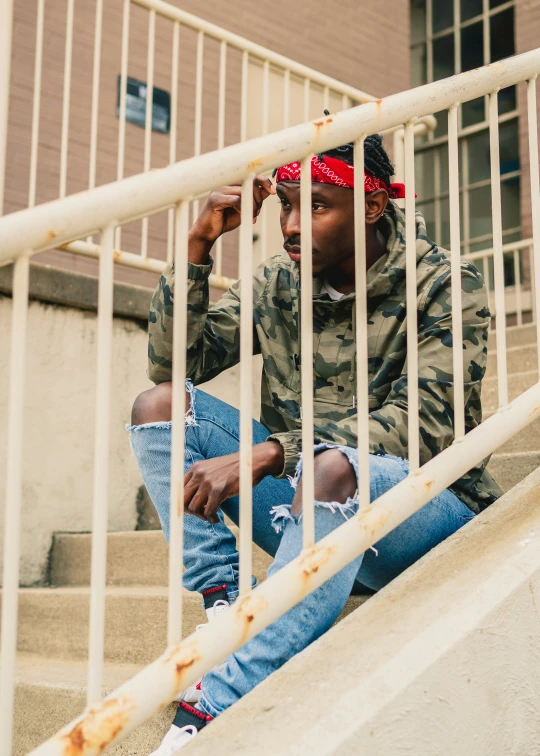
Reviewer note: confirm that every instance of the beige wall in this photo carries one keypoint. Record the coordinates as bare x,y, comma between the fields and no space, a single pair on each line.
59,425
60,408
351,41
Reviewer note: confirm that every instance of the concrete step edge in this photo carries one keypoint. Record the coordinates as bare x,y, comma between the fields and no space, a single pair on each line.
515,455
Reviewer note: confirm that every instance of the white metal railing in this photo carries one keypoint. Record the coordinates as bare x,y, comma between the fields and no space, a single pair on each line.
102,210
295,80
519,294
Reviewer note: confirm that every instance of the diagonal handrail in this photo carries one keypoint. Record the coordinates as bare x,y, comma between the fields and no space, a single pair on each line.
60,221
108,722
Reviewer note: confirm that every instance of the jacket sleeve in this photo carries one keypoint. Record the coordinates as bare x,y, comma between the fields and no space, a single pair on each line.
388,430
213,332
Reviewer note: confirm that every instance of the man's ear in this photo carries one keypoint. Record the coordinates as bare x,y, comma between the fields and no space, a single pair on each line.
376,203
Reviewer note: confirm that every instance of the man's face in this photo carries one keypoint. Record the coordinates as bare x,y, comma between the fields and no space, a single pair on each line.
332,223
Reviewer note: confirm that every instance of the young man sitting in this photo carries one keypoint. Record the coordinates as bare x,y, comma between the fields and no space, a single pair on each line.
212,427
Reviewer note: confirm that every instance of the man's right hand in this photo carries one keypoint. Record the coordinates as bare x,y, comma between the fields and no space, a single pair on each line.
222,213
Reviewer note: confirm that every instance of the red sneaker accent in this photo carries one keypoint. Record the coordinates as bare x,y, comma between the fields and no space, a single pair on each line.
214,590
195,712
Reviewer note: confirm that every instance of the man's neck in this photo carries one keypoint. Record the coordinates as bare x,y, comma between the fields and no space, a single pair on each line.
341,278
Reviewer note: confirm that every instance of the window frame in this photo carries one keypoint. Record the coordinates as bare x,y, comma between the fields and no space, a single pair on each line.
431,141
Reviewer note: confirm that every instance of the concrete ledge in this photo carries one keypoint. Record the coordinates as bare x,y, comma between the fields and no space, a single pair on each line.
49,284
445,660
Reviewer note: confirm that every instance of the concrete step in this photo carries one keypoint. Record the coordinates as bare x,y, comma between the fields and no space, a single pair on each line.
510,469
424,650
520,359
53,622
133,558
516,336
49,693
517,384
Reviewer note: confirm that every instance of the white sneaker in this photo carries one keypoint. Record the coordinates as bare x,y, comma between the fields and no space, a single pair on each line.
176,738
193,693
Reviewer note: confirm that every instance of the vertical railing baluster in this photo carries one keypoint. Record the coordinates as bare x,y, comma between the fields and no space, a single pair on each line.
6,32
95,98
66,99
246,385
176,528
306,354
36,105
95,95
362,355
244,97
13,505
532,118
487,281
307,97
123,100
286,98
98,578
498,257
221,133
263,216
198,107
411,296
517,278
173,131
533,283
148,116
455,260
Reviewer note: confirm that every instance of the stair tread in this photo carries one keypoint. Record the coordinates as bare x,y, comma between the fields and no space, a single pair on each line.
110,590
33,669
521,454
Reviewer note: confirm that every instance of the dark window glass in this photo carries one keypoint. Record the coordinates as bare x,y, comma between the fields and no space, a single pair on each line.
510,199
442,123
428,211
478,247
496,3
479,264
418,66
478,154
443,168
508,267
425,174
444,240
473,112
443,15
472,46
509,147
501,29
470,9
480,211
443,57
507,100
418,20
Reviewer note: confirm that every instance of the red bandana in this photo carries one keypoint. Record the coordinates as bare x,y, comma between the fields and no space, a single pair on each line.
333,171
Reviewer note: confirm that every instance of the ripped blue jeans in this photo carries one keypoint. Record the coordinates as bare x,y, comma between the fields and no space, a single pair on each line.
211,558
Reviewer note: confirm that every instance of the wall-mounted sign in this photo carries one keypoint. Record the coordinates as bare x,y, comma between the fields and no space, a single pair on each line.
136,105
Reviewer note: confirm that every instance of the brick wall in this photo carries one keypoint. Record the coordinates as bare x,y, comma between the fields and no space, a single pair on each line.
341,43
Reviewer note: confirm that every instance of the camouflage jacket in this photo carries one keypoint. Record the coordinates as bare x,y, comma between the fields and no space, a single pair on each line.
213,346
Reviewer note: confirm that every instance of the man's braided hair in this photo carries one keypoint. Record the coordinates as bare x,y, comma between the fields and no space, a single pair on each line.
376,160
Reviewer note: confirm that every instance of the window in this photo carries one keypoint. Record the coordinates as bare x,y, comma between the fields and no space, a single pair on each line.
447,38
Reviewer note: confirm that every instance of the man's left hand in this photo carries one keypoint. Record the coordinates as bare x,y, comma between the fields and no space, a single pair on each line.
209,483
